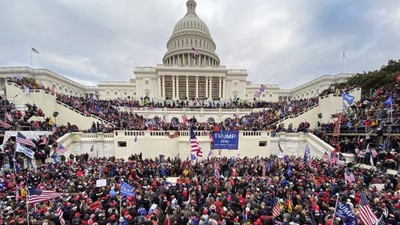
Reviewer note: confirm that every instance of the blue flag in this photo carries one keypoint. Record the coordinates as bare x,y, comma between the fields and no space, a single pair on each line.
192,157
348,98
307,154
127,190
346,214
286,159
389,101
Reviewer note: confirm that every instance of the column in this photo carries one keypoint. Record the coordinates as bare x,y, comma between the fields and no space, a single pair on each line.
177,87
211,86
163,87
219,88
159,86
206,87
209,60
197,87
224,91
184,59
173,87
187,87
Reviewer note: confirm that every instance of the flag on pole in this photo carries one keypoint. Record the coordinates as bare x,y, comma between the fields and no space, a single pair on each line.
195,52
348,98
37,82
37,195
61,149
366,214
60,215
92,148
307,154
194,144
34,50
23,140
22,149
389,101
348,176
126,189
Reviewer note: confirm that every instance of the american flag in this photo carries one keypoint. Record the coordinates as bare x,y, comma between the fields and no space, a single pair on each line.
195,52
366,214
60,214
374,153
61,149
44,140
8,117
348,176
23,140
194,144
37,195
276,211
35,51
325,156
334,158
4,124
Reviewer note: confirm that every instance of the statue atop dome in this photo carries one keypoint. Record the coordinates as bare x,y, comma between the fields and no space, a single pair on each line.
191,7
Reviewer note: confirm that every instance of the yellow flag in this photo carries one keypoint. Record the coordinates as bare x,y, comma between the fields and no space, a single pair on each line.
289,203
37,83
51,121
23,191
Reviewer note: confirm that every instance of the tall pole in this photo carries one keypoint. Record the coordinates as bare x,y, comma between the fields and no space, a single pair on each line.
334,212
27,205
31,58
343,61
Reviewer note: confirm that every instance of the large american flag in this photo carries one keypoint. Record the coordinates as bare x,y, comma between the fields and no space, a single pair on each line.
23,140
194,144
348,176
35,50
37,195
195,52
60,214
276,211
366,214
61,149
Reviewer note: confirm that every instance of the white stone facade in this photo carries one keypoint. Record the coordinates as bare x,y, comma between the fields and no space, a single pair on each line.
191,70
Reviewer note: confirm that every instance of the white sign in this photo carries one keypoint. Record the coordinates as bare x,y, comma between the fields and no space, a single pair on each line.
101,183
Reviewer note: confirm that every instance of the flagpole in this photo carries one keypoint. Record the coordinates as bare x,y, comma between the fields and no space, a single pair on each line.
343,61
27,205
334,212
31,58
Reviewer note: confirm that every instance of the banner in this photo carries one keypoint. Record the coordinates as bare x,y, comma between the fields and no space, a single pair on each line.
225,140
28,152
101,183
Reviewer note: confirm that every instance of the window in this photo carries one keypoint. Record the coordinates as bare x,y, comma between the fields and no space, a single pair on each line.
134,93
116,93
247,95
235,84
146,82
147,94
262,144
121,143
108,92
60,88
270,95
125,93
263,95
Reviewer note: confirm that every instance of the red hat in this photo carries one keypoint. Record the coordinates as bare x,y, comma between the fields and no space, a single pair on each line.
112,217
77,214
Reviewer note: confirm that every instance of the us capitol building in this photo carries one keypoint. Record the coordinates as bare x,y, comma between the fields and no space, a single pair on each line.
191,70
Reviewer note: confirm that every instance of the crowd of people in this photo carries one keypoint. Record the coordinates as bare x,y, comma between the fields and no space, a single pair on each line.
211,191
110,110
369,119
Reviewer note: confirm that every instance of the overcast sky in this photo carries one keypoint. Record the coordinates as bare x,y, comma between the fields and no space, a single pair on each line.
278,42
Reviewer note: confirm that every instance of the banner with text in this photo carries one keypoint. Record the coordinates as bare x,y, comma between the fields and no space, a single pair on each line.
225,140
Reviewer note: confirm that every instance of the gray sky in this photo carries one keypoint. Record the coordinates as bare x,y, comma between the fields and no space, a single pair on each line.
278,42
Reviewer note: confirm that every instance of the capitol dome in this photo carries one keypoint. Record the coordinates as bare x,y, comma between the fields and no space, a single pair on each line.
191,43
